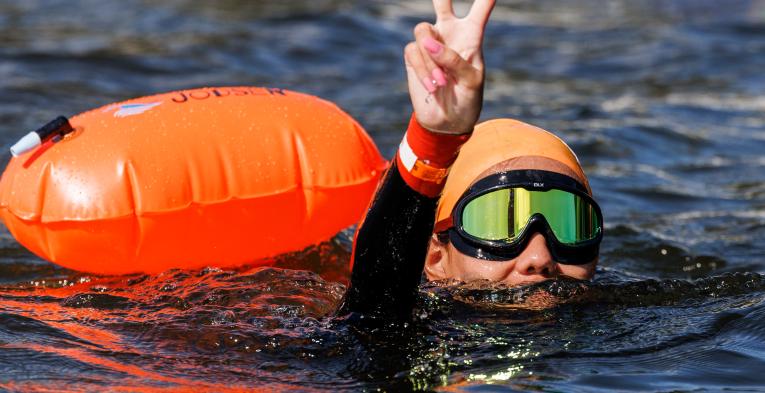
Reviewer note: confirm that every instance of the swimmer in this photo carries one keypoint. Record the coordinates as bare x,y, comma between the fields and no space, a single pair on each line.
503,201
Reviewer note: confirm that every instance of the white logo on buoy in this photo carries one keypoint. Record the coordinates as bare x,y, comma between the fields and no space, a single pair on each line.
131,109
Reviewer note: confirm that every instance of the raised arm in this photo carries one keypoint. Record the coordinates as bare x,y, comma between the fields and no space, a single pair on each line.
445,73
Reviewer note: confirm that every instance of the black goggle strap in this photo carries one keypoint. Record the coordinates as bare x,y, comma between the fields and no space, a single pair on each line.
531,179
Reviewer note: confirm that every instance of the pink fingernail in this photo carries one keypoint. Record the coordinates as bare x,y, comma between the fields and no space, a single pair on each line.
429,85
439,77
432,45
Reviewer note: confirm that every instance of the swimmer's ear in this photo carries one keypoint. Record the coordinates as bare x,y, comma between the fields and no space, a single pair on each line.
435,261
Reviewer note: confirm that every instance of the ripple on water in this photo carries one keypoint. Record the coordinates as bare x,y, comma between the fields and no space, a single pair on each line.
272,324
662,100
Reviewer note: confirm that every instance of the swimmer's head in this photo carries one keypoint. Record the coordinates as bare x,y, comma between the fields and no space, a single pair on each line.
506,151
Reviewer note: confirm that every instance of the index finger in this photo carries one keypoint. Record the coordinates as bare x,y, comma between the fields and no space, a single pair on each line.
480,11
443,9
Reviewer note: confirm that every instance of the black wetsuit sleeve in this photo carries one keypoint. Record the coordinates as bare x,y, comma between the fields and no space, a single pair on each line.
390,249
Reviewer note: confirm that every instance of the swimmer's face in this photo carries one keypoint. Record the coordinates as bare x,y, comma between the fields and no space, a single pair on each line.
534,264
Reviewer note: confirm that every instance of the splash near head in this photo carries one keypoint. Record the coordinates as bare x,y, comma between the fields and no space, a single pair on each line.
206,177
497,141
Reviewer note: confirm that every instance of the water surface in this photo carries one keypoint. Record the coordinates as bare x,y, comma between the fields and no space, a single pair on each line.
661,100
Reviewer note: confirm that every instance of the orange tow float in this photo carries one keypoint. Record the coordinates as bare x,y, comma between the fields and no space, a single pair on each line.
206,177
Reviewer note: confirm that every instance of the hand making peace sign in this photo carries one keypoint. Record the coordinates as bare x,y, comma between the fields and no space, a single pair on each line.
445,69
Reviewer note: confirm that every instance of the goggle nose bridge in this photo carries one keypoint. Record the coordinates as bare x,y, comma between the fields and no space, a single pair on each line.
536,223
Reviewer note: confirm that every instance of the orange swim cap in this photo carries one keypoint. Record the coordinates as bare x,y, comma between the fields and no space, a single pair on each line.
495,141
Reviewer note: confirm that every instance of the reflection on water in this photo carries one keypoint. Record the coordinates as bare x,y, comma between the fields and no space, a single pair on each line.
662,101
213,328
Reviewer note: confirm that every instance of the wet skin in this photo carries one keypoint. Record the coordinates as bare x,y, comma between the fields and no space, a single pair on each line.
534,264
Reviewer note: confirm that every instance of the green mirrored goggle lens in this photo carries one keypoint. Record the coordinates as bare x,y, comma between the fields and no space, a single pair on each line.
503,214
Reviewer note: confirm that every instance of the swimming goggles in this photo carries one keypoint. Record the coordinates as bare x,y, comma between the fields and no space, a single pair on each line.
495,218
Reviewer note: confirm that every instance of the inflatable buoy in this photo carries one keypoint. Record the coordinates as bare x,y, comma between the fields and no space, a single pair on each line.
206,177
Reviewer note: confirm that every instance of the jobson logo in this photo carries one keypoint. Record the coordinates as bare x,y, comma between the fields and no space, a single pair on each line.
124,110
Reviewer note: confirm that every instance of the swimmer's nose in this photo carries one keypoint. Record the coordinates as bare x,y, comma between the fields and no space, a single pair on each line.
535,262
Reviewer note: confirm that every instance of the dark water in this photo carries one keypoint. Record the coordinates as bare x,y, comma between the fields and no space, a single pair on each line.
662,100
